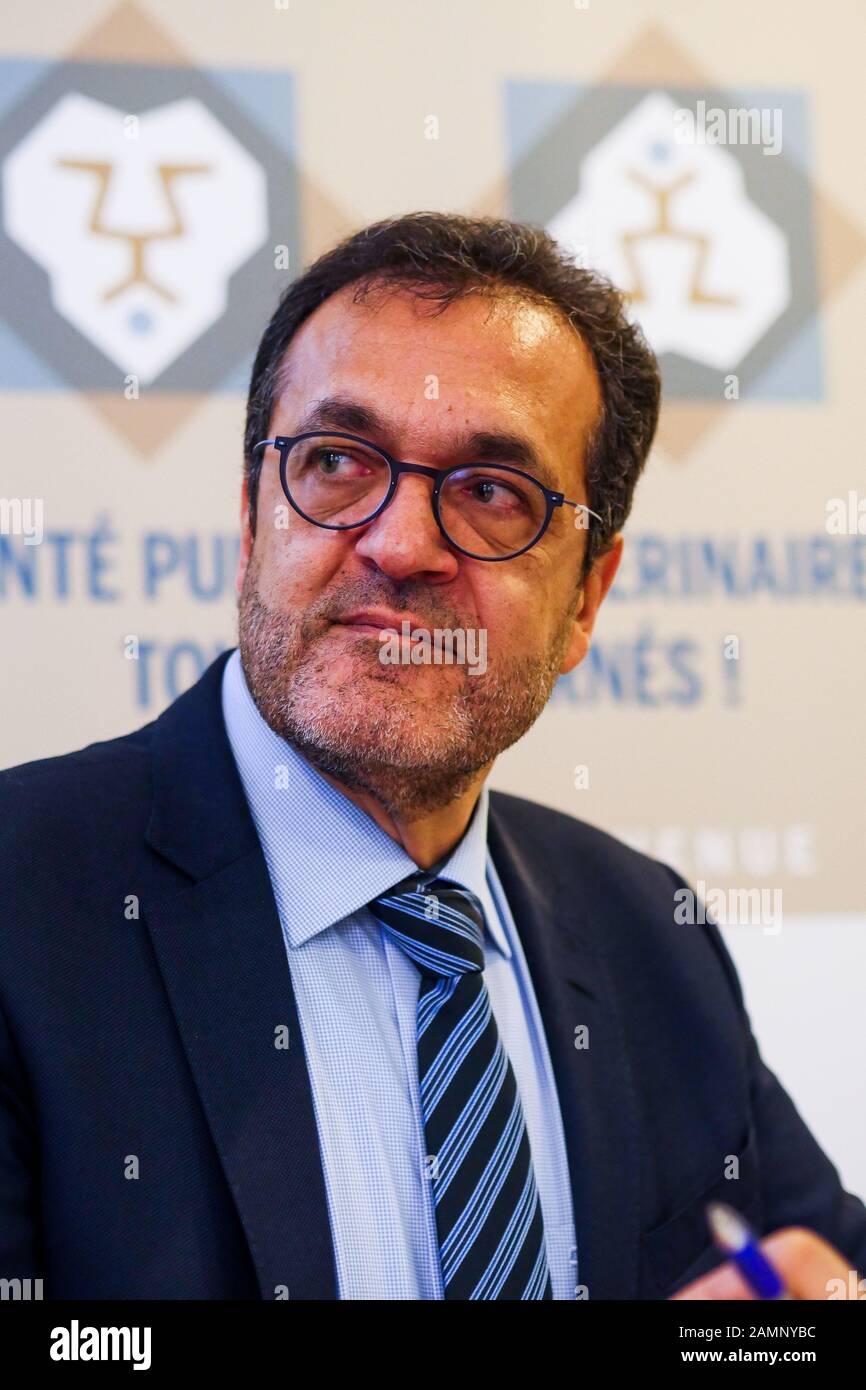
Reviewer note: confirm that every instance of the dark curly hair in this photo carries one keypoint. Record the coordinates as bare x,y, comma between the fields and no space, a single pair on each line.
442,257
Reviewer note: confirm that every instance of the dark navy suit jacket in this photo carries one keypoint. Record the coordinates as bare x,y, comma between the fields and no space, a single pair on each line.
143,972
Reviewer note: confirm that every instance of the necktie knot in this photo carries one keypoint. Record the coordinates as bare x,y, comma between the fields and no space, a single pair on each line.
438,924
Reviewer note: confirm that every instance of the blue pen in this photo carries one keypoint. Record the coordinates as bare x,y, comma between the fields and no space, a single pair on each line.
734,1235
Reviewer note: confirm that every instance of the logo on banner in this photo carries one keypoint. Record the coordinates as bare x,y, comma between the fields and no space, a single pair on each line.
673,225
701,206
149,224
138,221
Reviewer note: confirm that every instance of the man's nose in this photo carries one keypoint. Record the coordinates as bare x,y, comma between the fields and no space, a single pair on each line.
405,540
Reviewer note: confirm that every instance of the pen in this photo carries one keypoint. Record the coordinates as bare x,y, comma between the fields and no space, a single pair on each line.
734,1235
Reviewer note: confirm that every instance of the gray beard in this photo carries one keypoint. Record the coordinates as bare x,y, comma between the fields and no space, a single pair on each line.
370,732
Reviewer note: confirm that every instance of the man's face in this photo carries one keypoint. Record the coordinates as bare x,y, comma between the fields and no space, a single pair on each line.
416,735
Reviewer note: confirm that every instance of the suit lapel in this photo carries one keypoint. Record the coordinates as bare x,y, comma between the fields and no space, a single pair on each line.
218,941
574,989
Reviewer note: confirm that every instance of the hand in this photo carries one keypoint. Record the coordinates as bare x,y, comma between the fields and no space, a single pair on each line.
810,1267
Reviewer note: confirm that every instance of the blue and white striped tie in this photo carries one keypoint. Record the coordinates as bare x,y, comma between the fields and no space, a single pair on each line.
488,1215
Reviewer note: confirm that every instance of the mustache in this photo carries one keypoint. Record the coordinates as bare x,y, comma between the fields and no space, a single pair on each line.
411,597
294,628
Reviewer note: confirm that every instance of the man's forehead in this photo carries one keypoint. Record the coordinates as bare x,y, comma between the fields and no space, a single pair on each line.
508,352
503,324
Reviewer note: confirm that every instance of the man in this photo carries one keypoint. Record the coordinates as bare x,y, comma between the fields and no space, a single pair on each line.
292,1006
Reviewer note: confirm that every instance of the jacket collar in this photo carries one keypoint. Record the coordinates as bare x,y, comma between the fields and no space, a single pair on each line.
199,817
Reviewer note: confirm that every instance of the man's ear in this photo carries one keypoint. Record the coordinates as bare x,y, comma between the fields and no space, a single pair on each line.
246,537
592,594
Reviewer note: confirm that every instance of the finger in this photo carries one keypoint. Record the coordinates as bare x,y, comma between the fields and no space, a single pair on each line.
806,1261
722,1283
807,1264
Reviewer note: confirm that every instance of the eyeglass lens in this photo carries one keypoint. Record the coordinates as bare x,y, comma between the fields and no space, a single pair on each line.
484,510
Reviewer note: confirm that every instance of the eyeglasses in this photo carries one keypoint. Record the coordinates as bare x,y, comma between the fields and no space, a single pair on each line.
487,511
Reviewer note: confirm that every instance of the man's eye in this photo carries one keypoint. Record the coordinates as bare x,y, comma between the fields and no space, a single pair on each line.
329,460
493,492
486,491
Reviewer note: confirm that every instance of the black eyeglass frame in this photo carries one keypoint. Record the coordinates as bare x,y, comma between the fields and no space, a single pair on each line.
553,499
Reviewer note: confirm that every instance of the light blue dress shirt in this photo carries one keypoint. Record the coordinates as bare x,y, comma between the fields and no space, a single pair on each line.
356,995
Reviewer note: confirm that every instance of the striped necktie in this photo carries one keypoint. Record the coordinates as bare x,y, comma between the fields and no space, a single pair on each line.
488,1214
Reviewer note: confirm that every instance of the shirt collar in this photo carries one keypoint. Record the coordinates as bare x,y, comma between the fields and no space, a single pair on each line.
326,857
